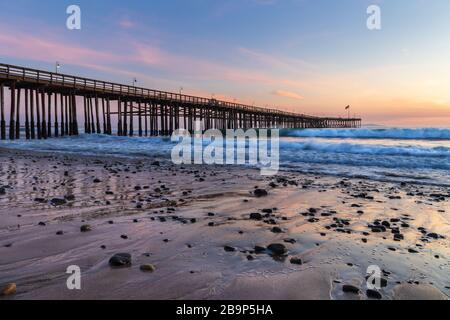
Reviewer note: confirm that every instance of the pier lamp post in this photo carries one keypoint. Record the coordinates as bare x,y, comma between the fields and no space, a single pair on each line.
134,84
181,90
57,66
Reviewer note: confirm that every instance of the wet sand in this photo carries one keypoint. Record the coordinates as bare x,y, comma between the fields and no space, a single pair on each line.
208,233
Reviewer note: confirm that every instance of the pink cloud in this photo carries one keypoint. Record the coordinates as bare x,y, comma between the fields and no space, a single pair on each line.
274,61
192,66
27,46
126,24
288,94
50,48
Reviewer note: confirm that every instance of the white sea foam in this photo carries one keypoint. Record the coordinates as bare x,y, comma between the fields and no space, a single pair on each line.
363,133
367,149
391,154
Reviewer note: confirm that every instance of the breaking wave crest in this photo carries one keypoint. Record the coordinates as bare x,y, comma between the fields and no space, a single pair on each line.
385,133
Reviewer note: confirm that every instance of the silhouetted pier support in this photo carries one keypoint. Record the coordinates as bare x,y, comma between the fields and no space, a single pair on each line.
45,99
2,112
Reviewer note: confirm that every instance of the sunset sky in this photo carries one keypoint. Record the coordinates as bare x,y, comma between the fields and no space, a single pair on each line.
310,56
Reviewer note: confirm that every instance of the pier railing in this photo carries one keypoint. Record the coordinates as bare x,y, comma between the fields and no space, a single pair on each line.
98,86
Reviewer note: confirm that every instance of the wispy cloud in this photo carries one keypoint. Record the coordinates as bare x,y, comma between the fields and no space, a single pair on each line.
271,60
126,23
21,45
288,94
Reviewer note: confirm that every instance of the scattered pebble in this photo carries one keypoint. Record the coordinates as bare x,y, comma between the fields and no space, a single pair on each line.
350,289
120,260
277,248
9,289
147,268
85,228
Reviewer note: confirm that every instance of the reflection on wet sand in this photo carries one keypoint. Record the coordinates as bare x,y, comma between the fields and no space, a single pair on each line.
207,236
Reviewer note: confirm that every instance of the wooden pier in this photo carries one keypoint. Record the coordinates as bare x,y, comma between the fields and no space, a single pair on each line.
51,104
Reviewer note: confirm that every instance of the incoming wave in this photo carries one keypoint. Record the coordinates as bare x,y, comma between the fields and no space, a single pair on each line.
388,133
367,149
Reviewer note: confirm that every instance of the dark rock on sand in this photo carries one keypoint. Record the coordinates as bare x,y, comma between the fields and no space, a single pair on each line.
350,289
277,248
398,237
147,268
373,294
276,230
433,235
42,224
256,216
120,260
58,202
296,261
378,229
229,249
2,191
85,228
60,232
260,193
259,249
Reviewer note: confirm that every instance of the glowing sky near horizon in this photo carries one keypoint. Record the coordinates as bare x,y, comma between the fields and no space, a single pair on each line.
310,56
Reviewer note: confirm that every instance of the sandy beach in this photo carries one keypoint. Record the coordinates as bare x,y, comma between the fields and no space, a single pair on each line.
208,232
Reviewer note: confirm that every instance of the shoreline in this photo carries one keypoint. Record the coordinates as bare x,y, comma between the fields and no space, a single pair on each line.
136,158
193,224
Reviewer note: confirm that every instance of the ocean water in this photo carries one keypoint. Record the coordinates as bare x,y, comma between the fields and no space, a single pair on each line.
390,154
385,154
